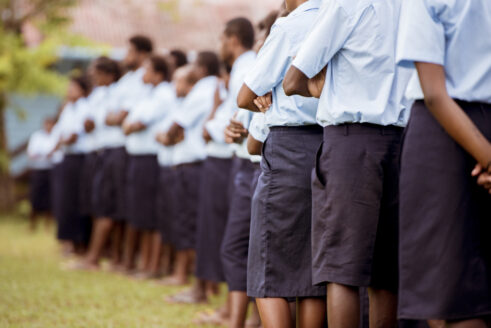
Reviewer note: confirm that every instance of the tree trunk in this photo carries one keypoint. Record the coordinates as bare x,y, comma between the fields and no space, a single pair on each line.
6,182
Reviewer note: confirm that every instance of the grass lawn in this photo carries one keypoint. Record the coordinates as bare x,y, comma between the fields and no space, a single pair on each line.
35,292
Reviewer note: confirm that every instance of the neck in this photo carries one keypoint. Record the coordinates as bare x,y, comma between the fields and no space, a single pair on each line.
237,53
298,3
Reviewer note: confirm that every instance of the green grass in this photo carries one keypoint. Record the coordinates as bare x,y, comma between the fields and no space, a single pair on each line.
35,292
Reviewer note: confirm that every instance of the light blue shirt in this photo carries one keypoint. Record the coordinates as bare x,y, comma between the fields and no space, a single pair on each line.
124,95
191,116
216,126
258,129
39,147
93,109
70,123
357,42
149,111
272,63
454,34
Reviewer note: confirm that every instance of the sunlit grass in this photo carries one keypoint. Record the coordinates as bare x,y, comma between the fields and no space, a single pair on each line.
35,292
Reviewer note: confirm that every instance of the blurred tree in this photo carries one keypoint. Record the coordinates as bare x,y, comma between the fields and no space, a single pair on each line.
26,70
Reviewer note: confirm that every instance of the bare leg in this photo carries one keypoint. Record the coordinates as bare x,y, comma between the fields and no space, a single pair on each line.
166,259
383,308
156,247
130,241
255,319
312,313
472,323
116,244
436,323
274,312
343,306
100,233
144,250
212,288
239,301
179,275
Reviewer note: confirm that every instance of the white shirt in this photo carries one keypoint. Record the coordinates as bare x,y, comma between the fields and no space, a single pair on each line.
216,127
149,112
165,154
39,147
245,117
124,95
357,42
191,116
454,34
273,61
70,123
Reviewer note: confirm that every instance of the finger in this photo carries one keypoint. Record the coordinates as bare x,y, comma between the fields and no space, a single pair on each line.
477,170
258,103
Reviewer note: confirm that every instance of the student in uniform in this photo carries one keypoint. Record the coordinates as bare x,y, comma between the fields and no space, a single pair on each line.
103,72
185,134
143,167
445,250
236,43
110,196
38,151
177,59
355,182
279,266
183,80
73,228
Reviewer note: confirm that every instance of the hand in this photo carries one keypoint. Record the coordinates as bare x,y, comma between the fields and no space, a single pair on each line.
264,102
206,135
483,177
235,132
89,125
163,139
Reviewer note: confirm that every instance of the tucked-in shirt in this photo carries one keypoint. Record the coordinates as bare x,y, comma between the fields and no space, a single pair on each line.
454,34
357,41
229,107
272,63
149,112
165,154
93,109
191,116
124,95
39,147
70,123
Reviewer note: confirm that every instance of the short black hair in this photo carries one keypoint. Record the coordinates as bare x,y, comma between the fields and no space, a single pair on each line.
159,65
84,83
243,29
107,65
180,57
142,43
210,61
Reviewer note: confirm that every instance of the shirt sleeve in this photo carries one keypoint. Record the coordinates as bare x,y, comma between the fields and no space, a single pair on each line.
258,128
328,35
190,111
271,63
421,36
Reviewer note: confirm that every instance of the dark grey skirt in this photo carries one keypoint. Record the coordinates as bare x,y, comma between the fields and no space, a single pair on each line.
445,221
188,178
109,189
355,206
91,165
166,202
141,191
56,191
280,261
212,217
72,225
235,245
40,190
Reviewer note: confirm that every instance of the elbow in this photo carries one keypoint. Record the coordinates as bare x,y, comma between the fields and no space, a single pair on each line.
432,99
242,102
290,87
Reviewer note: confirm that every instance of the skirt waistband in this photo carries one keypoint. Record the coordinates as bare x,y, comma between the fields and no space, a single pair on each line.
314,128
362,128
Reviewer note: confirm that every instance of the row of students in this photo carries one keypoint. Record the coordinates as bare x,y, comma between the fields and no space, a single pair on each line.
348,194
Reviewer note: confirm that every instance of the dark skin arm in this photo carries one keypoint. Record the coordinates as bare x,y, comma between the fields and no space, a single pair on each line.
254,147
129,128
297,83
70,140
217,103
245,99
454,120
116,118
174,135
